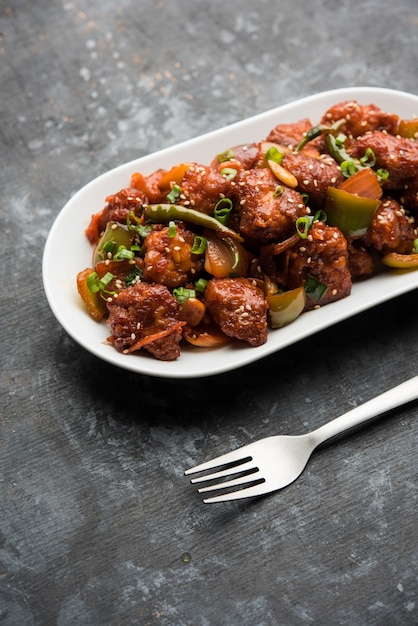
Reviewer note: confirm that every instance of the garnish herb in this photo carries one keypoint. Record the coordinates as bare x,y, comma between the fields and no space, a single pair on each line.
199,245
368,159
222,210
226,156
134,276
182,294
174,193
273,154
172,228
96,284
229,173
348,168
123,253
133,222
109,246
314,288
279,191
304,223
382,174
200,285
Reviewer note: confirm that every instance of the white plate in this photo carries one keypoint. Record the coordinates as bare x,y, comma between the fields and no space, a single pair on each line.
67,250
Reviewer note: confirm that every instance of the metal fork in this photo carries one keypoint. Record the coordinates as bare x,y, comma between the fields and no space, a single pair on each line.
274,462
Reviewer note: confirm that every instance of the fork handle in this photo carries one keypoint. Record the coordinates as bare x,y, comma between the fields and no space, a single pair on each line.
397,396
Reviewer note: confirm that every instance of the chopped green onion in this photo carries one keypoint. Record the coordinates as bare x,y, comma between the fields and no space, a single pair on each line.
415,246
109,246
123,253
348,168
229,173
222,210
279,191
143,231
382,174
174,194
314,288
182,294
320,216
226,156
93,282
172,229
340,140
273,154
369,158
305,198
200,285
134,276
199,245
96,284
303,224
105,280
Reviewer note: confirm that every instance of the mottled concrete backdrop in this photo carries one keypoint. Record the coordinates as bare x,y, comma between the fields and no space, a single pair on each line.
98,524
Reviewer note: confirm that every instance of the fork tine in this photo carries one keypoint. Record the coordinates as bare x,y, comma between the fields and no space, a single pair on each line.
230,457
234,482
226,472
255,490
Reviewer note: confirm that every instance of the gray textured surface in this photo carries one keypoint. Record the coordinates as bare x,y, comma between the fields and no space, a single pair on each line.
98,525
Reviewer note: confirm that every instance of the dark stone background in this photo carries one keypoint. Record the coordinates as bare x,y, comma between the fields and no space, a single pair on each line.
98,524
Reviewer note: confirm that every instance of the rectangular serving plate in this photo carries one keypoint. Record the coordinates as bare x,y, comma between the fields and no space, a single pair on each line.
67,251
